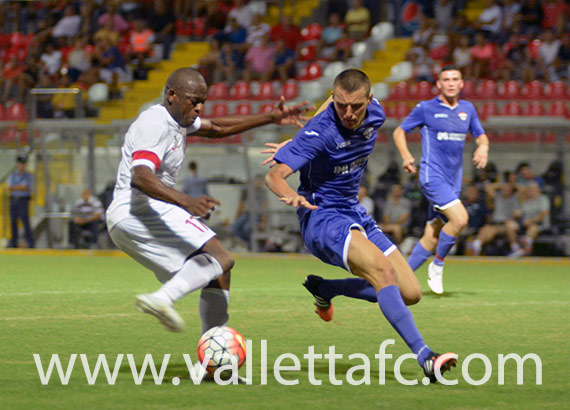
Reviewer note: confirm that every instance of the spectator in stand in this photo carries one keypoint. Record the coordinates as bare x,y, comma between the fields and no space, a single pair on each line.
86,222
208,64
534,213
112,66
365,200
548,53
193,184
477,211
443,11
215,16
357,21
531,16
233,33
109,32
141,40
230,66
20,185
424,33
562,62
51,59
556,16
69,25
461,56
511,9
162,22
283,63
490,21
339,7
112,17
396,214
287,31
242,13
89,19
64,104
423,64
11,73
259,61
78,60
326,46
481,54
343,47
519,64
256,31
461,26
525,175
503,221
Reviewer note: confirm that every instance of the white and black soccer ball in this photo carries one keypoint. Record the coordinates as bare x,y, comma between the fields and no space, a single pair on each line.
221,344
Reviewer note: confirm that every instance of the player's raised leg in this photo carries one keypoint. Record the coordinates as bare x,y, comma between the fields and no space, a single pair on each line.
370,263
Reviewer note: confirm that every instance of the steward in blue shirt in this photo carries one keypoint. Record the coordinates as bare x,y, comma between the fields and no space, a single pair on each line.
20,183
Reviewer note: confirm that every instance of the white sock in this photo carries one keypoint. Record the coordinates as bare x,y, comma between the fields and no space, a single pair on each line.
214,307
515,247
196,273
476,247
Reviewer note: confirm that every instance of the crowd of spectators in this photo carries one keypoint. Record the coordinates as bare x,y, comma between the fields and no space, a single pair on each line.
522,40
78,44
506,214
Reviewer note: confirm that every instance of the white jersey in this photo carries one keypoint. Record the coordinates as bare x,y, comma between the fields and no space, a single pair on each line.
154,140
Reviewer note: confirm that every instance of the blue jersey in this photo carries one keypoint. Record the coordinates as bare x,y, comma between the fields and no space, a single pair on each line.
443,130
331,158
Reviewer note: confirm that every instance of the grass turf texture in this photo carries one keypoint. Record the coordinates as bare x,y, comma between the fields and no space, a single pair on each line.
79,303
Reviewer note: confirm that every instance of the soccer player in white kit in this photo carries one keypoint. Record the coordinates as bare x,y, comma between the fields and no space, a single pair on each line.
160,227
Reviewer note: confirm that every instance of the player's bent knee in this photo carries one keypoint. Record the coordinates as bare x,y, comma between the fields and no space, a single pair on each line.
411,297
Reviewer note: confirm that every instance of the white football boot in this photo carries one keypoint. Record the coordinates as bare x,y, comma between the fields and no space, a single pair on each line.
162,310
435,278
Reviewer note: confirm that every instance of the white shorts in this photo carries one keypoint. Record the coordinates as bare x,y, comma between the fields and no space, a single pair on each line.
161,242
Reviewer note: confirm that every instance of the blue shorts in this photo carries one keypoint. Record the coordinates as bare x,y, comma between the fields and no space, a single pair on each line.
441,195
327,233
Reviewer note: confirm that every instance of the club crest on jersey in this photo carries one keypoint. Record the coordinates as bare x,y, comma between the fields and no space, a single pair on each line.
368,132
463,116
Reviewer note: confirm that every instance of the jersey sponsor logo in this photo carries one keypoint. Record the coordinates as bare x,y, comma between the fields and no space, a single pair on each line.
311,133
368,132
343,144
440,115
463,116
345,169
451,136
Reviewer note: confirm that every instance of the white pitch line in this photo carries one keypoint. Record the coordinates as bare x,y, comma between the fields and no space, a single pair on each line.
68,317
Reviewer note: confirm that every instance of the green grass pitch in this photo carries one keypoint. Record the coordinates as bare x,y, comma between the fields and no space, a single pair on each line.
81,303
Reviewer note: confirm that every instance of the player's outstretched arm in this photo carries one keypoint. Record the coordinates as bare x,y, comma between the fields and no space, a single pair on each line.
234,124
481,154
276,182
408,160
147,182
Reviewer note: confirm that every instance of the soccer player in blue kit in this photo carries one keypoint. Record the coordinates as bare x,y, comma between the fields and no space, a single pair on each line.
330,153
444,123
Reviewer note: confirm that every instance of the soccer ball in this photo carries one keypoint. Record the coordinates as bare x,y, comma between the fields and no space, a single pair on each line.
221,343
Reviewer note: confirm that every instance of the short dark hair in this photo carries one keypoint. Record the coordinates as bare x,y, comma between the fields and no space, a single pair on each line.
352,80
449,67
22,159
192,165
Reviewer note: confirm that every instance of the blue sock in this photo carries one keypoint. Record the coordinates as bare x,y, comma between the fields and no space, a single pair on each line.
401,319
356,288
418,256
445,243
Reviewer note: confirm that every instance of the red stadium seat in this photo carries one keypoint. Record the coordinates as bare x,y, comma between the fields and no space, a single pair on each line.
534,108
534,48
509,90
511,109
198,26
468,90
310,72
558,109
265,91
308,53
401,110
240,91
555,90
421,91
265,108
312,32
16,112
486,90
218,110
290,90
400,91
218,91
243,109
489,109
2,112
532,90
